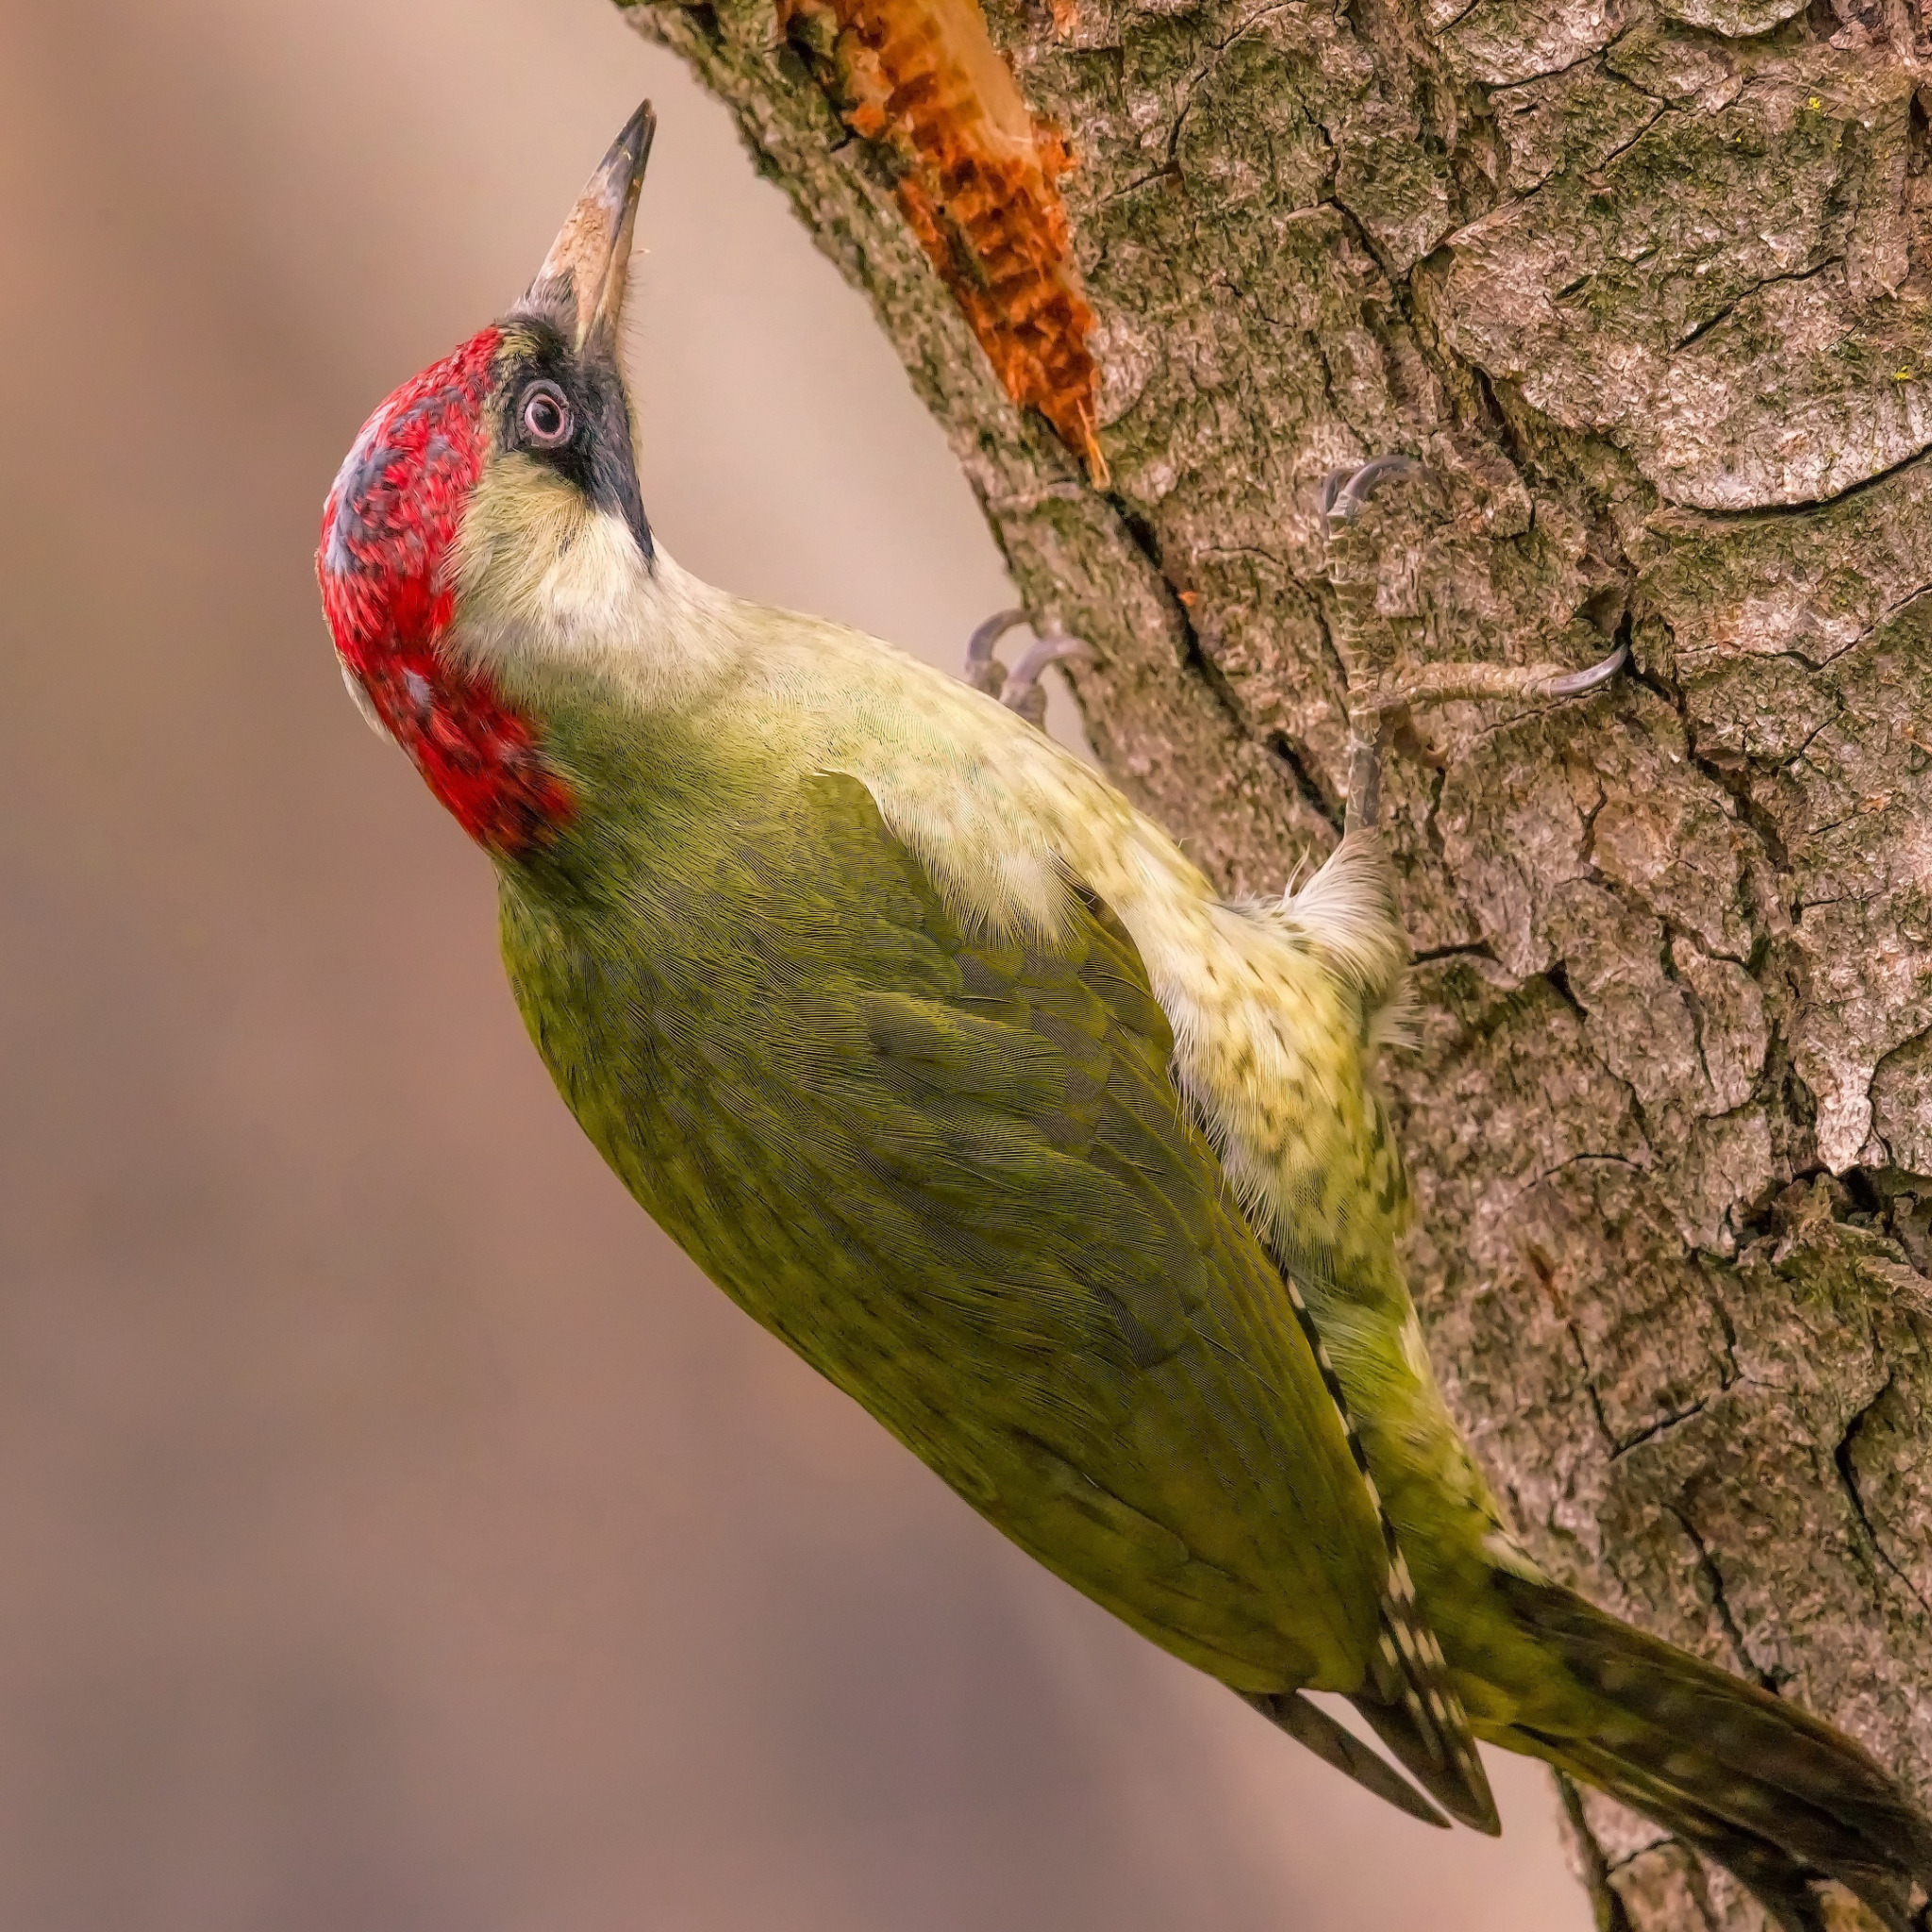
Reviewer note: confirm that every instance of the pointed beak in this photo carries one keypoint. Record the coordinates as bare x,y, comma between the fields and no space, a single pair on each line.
580,286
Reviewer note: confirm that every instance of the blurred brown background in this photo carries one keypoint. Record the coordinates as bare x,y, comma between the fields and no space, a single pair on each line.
394,1531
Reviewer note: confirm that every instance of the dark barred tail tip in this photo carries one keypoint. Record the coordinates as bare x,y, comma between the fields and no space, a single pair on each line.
1309,1724
1415,1710
1428,1732
1752,1781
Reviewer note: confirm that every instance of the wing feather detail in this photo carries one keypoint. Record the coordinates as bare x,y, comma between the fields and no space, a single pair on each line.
953,1170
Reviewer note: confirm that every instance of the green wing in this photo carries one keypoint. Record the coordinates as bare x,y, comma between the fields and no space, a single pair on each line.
955,1174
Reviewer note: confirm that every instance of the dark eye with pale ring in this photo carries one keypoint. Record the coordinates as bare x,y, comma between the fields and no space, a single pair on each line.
546,417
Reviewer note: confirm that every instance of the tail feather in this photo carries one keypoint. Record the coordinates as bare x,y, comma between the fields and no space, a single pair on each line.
1465,1798
1334,1743
1771,1739
1755,1782
1779,1879
1413,1703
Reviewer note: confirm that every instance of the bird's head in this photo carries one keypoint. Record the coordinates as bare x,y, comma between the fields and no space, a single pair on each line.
488,518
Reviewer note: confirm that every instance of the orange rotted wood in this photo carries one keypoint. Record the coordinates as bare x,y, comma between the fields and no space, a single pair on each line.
979,181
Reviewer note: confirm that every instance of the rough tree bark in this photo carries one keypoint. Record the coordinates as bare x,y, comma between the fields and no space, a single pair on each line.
1645,283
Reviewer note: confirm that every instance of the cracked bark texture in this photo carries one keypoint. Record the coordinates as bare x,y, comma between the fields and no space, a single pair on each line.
1645,283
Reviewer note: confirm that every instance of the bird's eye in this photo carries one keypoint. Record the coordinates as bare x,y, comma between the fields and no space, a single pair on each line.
546,415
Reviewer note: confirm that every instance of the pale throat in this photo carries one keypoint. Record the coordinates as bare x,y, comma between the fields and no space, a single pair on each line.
550,588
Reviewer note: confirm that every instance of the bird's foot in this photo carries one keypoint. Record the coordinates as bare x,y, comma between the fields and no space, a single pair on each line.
1381,714
1020,688
1344,491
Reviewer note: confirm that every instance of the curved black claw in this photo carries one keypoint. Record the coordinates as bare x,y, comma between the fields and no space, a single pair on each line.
1344,491
1023,685
1576,682
1018,689
984,672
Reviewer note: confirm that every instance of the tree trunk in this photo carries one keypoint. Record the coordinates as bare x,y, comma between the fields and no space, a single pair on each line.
1645,283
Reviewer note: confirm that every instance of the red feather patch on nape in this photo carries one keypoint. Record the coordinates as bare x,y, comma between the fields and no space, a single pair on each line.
387,532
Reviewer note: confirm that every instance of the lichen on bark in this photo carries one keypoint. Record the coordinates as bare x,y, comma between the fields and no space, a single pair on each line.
1645,285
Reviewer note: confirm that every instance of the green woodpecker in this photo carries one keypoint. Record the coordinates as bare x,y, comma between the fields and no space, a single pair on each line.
950,1069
